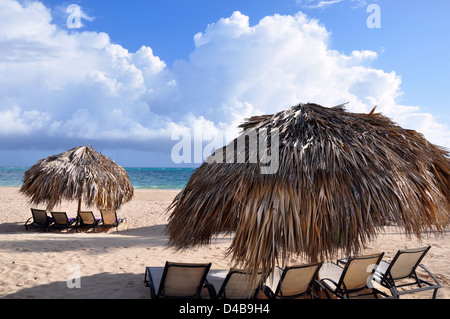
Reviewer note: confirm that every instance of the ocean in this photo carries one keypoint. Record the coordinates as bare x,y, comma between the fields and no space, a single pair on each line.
140,177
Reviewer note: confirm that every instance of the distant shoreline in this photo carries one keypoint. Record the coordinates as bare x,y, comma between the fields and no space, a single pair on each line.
170,178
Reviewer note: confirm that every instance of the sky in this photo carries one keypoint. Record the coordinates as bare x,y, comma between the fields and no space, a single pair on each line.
139,79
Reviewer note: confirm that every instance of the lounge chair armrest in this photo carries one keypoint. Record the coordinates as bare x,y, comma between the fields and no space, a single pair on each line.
148,281
326,287
431,275
322,281
379,277
268,292
321,287
211,289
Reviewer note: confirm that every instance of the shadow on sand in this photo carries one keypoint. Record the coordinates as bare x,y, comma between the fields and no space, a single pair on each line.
98,286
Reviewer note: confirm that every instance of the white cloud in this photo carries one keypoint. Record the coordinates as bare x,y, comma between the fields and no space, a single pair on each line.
60,87
17,122
320,4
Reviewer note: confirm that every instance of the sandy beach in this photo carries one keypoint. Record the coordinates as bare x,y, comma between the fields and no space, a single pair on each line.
111,264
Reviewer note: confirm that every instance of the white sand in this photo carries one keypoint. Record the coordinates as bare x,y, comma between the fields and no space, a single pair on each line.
34,264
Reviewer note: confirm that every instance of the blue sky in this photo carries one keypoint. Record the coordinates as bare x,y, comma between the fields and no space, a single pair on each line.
135,71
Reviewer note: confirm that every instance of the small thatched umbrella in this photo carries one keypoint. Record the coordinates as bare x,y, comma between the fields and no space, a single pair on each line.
341,177
77,174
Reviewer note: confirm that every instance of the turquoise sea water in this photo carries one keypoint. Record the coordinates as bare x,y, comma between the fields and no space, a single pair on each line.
140,177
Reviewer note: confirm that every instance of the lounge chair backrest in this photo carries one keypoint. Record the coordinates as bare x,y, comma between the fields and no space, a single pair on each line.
87,217
406,261
39,216
59,217
182,280
109,217
240,285
296,280
358,270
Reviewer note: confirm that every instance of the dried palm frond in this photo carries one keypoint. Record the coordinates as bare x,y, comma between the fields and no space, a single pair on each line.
78,174
341,177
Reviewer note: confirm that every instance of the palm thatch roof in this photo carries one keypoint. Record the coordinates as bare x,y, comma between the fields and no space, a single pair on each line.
77,174
341,177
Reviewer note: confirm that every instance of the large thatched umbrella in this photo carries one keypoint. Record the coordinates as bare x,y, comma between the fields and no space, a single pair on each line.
341,176
77,174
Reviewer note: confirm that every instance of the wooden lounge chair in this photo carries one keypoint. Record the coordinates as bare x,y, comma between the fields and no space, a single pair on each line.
62,221
354,279
402,269
293,281
86,219
177,280
39,220
109,218
239,284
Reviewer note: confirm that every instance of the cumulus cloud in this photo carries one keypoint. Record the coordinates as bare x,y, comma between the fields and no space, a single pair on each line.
60,87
